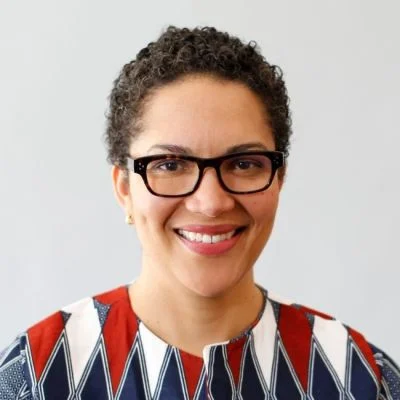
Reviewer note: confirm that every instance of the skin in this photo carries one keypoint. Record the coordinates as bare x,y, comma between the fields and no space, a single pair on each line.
190,300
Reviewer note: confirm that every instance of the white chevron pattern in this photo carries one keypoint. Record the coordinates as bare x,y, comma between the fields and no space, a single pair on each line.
264,342
83,330
333,336
154,350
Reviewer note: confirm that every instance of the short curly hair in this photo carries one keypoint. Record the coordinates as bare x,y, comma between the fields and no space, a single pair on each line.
179,52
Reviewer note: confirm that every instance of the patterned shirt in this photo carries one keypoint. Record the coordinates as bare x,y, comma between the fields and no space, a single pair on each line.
97,348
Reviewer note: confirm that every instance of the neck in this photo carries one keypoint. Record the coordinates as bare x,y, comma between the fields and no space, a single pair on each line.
189,321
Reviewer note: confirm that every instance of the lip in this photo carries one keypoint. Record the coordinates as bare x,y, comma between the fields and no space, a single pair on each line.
210,229
211,249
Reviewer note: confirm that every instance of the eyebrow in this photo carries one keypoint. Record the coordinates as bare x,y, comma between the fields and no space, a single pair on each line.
245,147
172,148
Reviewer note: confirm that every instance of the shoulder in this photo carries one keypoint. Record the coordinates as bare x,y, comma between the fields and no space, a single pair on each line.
73,330
326,331
320,338
89,310
90,313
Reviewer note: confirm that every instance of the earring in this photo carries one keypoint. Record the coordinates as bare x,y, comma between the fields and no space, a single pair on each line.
129,219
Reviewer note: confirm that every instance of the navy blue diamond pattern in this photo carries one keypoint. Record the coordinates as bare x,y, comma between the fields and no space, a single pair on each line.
323,385
97,384
56,383
173,383
134,384
360,377
285,386
250,384
220,380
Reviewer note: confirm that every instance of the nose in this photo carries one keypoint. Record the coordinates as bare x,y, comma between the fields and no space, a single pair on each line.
210,198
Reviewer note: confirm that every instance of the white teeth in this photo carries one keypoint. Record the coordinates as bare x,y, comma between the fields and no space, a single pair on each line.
198,237
206,238
216,238
192,236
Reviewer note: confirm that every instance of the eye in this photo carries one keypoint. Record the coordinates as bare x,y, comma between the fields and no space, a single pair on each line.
245,164
170,165
166,166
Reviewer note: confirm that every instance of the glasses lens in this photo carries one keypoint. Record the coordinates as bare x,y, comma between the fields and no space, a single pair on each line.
172,177
246,173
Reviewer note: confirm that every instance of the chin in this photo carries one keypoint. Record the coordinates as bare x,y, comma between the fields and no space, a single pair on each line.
211,284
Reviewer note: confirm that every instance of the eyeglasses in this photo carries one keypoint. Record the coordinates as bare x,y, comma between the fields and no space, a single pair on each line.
171,175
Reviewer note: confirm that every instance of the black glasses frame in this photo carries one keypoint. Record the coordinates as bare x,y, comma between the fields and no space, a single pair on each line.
139,166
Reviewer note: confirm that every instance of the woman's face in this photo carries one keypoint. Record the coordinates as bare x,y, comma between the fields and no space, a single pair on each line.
204,117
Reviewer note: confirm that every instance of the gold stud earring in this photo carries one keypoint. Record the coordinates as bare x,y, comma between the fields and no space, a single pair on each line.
129,219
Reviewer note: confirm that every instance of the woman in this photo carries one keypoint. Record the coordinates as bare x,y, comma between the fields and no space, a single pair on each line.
198,133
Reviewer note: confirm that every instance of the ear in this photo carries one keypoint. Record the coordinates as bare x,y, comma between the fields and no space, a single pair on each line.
120,181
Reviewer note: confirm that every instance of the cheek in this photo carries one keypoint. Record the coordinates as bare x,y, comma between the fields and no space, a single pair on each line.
262,206
150,212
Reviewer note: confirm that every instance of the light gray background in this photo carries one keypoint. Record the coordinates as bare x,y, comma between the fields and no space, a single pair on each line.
335,244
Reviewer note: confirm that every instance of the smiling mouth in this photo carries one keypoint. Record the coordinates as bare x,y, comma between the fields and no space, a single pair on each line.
196,237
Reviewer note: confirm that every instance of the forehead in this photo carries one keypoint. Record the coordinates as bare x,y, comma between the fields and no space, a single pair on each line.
205,115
